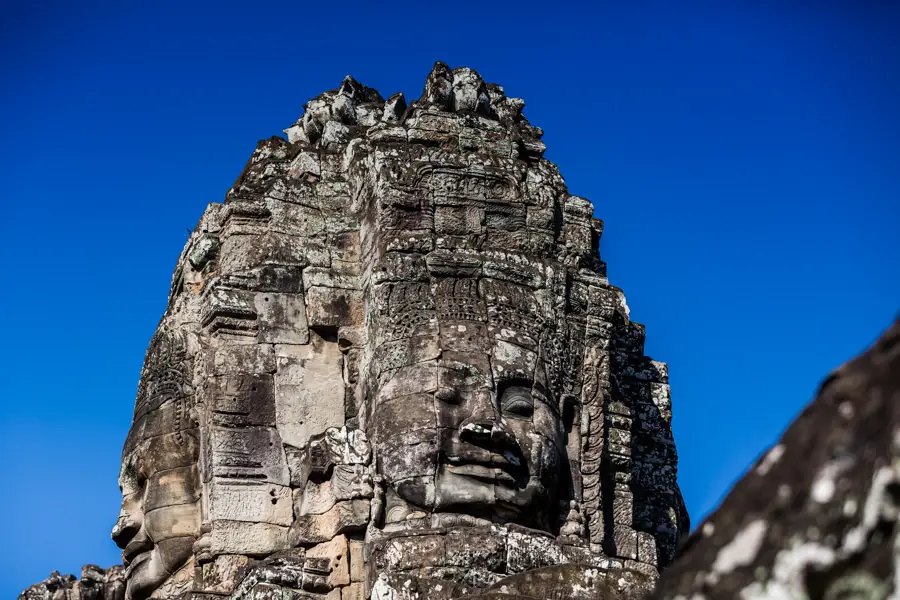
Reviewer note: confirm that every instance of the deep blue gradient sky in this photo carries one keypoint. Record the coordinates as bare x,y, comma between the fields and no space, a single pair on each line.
746,162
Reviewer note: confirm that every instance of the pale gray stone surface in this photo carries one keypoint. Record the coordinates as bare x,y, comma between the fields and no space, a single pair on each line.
392,366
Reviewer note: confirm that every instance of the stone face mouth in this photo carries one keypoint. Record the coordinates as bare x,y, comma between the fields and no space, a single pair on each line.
487,466
483,472
136,562
136,552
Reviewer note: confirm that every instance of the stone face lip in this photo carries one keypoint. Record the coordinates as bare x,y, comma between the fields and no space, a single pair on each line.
817,515
392,366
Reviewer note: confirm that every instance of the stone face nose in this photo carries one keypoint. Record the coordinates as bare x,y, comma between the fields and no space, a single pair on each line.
487,431
124,530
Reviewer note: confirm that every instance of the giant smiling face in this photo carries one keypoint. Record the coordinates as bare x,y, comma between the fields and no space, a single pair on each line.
469,425
160,516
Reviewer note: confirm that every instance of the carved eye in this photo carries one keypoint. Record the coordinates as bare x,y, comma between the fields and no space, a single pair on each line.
447,396
517,402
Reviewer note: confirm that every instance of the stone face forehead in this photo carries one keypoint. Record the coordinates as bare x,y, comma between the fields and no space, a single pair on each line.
165,396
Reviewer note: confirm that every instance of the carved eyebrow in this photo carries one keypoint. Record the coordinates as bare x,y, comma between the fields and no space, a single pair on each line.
536,392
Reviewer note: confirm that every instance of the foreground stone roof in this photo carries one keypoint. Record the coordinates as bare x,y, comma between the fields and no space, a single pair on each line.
817,515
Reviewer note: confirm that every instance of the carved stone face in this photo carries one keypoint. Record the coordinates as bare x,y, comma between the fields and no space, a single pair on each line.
469,426
160,516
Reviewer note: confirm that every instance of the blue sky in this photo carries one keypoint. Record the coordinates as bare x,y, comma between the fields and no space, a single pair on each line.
745,158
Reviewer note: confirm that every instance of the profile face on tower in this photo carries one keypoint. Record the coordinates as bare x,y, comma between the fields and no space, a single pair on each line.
159,519
471,425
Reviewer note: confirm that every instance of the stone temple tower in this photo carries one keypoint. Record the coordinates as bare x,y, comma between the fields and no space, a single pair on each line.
392,366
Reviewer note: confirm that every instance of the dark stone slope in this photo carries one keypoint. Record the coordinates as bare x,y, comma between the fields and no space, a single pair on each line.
816,517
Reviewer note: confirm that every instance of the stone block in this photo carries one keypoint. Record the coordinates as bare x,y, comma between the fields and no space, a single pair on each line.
512,361
294,219
344,517
661,396
646,548
172,450
229,312
328,278
623,503
175,521
357,561
282,318
507,217
458,220
619,422
402,414
351,481
405,454
527,550
259,503
265,591
307,401
334,307
242,400
405,240
512,267
247,454
419,378
354,591
337,553
242,359
404,352
244,252
569,581
314,499
475,546
400,266
620,449
306,163
223,574
241,537
179,485
408,553
626,543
